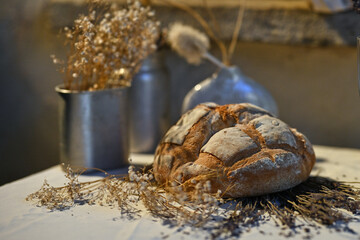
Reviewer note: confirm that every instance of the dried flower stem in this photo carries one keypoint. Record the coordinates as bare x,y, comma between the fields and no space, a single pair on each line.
191,44
214,60
203,23
212,17
237,28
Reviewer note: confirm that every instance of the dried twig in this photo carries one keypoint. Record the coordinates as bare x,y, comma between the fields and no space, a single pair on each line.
203,23
237,28
212,17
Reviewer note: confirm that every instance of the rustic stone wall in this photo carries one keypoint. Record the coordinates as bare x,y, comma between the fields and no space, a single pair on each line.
268,26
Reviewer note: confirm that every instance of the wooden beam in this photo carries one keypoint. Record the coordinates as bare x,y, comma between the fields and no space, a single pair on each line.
250,4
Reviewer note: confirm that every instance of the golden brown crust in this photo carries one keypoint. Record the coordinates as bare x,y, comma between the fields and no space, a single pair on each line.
240,148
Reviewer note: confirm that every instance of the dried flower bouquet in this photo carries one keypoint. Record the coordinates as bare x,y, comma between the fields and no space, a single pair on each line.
107,46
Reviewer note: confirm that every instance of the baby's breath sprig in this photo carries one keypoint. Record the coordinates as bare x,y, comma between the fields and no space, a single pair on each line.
107,46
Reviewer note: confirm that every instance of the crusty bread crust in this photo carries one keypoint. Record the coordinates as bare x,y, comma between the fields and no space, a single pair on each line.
240,148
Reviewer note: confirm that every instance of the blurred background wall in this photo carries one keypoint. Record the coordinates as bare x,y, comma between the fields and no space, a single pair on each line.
306,59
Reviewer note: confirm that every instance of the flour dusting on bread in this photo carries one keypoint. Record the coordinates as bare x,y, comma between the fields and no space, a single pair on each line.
228,143
177,133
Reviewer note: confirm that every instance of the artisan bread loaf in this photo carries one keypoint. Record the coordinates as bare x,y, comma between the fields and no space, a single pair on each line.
240,148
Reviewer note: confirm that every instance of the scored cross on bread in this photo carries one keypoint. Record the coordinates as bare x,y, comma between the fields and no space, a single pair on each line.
240,148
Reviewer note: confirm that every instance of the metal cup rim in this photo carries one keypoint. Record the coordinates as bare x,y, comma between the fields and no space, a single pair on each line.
60,89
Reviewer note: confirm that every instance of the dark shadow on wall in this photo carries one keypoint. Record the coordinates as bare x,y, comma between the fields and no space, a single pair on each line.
28,122
346,24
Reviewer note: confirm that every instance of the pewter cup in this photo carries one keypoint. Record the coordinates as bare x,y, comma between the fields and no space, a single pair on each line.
94,128
149,97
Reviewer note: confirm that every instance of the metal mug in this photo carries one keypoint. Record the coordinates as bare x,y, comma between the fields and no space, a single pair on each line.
149,101
94,128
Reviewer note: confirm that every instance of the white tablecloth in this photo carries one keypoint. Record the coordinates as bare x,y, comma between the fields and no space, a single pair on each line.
20,219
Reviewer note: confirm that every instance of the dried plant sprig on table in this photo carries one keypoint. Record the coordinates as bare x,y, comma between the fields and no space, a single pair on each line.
108,45
190,43
317,200
125,192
